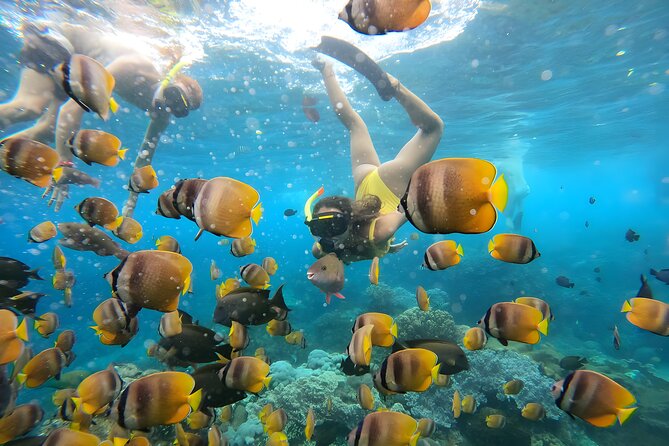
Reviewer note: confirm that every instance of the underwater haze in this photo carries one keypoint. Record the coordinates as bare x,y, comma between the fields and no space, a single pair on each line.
567,99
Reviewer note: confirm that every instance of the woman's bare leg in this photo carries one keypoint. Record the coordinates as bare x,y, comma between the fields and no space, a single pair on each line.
44,129
35,92
363,154
420,149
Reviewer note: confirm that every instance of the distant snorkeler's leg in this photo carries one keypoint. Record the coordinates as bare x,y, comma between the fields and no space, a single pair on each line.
363,154
35,92
158,124
420,149
44,130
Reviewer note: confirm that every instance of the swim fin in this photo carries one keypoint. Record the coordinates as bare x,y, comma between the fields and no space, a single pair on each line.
352,56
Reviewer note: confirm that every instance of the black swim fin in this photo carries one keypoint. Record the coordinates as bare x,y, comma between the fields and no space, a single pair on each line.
352,56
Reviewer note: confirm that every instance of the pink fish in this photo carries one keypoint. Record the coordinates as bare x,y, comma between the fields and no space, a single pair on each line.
327,273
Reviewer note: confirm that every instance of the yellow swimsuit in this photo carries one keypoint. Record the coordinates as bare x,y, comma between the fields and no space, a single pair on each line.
372,184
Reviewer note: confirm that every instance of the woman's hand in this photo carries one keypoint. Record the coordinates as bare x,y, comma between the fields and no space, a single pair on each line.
59,188
397,247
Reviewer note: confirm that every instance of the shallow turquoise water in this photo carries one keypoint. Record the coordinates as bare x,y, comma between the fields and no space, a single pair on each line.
577,92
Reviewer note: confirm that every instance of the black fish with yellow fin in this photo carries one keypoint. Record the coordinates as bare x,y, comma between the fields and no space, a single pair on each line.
196,344
214,392
349,368
250,306
24,303
573,362
644,290
451,358
632,236
15,274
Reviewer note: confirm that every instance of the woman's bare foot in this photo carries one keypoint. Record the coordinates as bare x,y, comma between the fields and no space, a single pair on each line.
394,83
321,65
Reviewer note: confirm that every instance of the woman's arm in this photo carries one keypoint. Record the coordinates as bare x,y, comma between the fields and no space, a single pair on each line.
387,225
68,123
159,122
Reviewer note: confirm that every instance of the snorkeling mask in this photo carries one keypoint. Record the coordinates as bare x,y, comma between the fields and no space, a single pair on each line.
325,224
171,98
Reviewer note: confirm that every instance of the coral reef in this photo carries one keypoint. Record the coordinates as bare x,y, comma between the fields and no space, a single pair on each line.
296,389
489,370
415,324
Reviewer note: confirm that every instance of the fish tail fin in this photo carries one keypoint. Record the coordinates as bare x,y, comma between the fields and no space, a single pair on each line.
186,286
113,105
499,193
435,372
266,381
57,174
653,272
327,298
21,378
626,307
256,213
413,441
120,441
33,274
624,414
491,246
75,426
393,330
121,153
195,399
77,402
278,299
115,224
543,327
22,331
460,251
339,296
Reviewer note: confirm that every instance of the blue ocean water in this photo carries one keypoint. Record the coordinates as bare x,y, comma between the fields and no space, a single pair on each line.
570,95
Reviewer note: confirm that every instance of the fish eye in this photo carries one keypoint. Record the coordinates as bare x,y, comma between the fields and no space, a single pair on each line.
323,268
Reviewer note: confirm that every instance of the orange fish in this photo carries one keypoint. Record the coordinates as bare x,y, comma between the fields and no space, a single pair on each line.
225,206
513,248
29,160
455,195
12,337
422,299
442,255
96,146
648,314
46,364
375,17
509,321
374,271
594,398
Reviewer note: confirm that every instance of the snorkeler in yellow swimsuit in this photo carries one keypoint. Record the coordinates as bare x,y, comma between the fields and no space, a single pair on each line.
364,228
